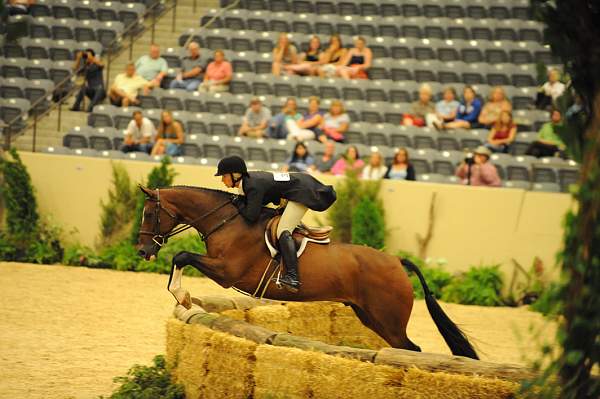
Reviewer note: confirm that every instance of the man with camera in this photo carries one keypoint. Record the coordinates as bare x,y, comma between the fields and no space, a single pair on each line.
476,170
93,85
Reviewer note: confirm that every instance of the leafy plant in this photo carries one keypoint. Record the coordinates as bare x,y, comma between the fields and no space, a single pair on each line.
160,176
478,286
145,382
548,303
437,279
368,225
119,210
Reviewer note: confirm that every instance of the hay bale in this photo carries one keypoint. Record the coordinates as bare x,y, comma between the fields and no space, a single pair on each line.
235,314
274,317
175,342
311,320
348,330
293,341
443,385
243,330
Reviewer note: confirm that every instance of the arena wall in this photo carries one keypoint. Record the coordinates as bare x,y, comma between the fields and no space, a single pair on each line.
473,225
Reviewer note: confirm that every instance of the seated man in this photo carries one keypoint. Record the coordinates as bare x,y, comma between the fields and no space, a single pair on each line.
478,171
218,74
548,143
124,89
256,119
191,69
152,67
139,134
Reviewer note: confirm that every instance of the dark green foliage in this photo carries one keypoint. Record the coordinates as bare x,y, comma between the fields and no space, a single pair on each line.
123,256
368,225
119,211
548,303
26,238
143,382
478,286
160,176
350,191
437,279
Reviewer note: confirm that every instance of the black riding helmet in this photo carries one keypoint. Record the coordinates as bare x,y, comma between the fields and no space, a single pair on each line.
232,164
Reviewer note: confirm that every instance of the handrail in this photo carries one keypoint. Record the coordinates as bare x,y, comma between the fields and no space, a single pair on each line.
8,125
213,19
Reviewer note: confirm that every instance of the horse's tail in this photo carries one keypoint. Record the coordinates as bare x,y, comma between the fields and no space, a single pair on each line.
454,337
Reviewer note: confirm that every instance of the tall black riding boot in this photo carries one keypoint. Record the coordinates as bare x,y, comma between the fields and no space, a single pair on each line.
287,247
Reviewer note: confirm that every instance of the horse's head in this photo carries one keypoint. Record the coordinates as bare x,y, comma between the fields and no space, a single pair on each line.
157,221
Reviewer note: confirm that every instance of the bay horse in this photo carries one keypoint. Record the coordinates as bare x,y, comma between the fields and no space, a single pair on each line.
373,283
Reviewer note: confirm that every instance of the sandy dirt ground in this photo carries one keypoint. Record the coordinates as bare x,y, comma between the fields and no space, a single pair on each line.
65,332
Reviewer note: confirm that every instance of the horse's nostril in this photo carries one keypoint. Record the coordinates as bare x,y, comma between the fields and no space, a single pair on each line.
142,253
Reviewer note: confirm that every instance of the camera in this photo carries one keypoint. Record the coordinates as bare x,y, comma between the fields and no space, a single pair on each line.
84,55
469,159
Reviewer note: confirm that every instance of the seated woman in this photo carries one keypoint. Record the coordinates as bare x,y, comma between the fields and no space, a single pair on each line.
375,170
502,134
300,161
468,111
308,62
445,109
401,168
306,128
349,161
548,142
332,57
496,104
550,91
284,54
325,162
169,137
356,62
420,108
335,123
278,124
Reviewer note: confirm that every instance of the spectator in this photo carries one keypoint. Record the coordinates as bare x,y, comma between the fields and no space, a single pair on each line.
218,74
401,168
502,134
468,111
284,55
332,57
421,108
375,170
548,142
356,61
335,123
550,91
278,123
170,136
349,161
308,62
191,69
19,7
126,86
152,67
256,119
325,162
93,85
495,105
445,109
307,128
300,161
139,134
482,172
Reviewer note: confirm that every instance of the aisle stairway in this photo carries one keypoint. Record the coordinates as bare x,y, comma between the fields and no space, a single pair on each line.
48,132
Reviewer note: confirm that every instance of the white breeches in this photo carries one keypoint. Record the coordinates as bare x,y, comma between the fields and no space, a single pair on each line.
297,133
292,216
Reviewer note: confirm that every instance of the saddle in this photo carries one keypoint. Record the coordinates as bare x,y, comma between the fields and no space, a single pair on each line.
302,235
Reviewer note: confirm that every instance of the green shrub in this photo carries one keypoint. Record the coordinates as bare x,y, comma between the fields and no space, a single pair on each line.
26,238
119,211
368,226
437,279
143,382
548,303
478,286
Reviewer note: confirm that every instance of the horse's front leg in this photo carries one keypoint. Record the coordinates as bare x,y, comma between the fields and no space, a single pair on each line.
211,267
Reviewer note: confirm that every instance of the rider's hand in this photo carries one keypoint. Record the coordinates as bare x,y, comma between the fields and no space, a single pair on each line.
237,200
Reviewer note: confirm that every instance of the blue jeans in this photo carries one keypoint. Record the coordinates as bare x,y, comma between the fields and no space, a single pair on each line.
188,84
504,148
277,128
172,149
142,147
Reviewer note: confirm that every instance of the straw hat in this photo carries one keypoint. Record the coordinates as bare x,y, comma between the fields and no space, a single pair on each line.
481,150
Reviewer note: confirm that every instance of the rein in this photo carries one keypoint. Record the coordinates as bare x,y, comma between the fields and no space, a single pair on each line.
156,236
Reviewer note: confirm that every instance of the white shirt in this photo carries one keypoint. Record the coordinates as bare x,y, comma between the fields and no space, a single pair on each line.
553,90
146,130
370,173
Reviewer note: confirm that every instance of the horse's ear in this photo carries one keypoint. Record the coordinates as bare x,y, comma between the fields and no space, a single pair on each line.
147,191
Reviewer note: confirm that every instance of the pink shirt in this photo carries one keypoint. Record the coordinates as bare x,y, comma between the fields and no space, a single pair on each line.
218,72
339,168
481,175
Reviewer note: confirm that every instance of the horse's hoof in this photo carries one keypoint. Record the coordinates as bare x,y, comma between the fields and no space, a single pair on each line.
183,298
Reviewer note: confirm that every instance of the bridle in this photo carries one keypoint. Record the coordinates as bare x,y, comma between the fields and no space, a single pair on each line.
161,239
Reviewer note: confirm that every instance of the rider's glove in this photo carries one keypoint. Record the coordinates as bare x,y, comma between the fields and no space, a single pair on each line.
237,200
